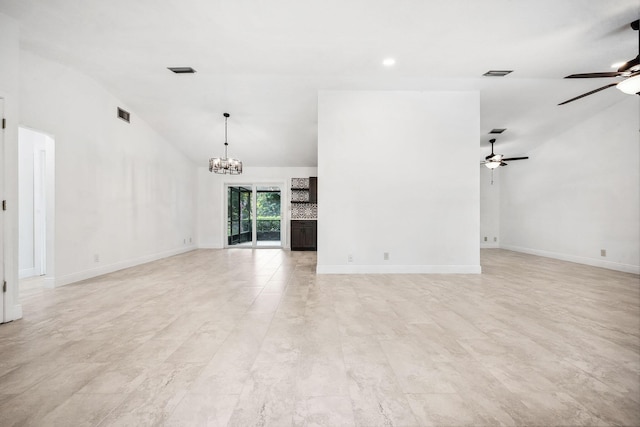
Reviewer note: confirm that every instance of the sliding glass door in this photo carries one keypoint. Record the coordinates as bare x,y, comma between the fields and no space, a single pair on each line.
239,215
260,202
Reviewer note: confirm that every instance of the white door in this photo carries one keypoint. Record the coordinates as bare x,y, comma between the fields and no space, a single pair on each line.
2,214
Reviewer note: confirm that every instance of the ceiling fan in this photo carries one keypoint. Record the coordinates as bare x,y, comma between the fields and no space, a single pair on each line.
492,161
630,70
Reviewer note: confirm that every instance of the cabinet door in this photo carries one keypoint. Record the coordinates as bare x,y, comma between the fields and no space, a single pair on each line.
303,235
313,189
310,235
297,237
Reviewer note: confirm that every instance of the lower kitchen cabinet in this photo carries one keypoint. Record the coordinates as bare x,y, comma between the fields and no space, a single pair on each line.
304,235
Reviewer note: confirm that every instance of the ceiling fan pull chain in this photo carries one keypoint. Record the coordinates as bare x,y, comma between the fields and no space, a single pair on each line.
491,176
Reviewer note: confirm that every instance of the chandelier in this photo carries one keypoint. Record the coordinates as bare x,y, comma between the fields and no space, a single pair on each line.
225,165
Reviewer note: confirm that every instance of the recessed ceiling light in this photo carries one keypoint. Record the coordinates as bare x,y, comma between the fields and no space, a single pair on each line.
497,73
618,64
389,62
182,70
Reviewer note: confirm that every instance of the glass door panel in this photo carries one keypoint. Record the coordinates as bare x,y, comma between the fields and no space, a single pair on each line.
268,216
239,216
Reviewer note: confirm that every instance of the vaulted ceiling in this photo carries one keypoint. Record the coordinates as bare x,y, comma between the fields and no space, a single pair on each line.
264,61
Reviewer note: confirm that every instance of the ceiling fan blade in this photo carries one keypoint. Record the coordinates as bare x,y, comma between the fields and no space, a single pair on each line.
516,158
504,164
589,93
595,75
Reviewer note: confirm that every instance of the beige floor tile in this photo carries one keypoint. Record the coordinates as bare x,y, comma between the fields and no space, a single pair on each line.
82,410
440,410
255,337
416,371
121,379
201,410
155,399
376,396
324,411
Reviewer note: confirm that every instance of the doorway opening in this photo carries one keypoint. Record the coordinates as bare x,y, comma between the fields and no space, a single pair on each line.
254,216
35,209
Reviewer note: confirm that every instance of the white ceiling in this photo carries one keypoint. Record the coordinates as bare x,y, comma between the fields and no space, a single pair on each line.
264,61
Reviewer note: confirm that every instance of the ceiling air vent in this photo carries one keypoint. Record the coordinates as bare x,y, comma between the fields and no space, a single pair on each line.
124,115
497,73
182,70
497,130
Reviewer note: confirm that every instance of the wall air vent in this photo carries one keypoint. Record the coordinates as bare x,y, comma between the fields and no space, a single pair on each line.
124,115
497,130
182,70
497,73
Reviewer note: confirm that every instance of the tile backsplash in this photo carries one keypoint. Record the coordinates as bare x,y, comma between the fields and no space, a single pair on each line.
304,210
300,206
299,195
302,183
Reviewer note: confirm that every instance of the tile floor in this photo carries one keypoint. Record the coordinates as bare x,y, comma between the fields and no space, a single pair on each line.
254,338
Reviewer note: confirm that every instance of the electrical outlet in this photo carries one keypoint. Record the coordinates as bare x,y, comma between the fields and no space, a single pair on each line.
96,258
189,239
386,256
495,239
184,241
485,238
350,258
603,252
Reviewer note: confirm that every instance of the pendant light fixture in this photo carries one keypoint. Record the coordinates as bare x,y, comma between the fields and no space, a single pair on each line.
225,165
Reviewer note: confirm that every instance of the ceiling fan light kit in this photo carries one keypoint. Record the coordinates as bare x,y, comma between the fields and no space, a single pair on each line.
631,85
225,165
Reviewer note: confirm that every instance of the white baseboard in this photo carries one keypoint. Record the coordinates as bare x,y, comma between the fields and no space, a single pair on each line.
27,272
210,246
489,246
398,269
99,271
625,268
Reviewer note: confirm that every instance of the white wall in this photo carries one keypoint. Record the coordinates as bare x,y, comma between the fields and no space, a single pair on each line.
579,193
490,207
9,92
211,208
124,195
398,173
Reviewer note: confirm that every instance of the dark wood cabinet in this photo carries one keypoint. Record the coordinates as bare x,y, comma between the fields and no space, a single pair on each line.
304,224
313,189
304,235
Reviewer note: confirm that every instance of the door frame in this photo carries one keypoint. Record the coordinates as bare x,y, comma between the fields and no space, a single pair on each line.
46,156
3,271
241,190
254,189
